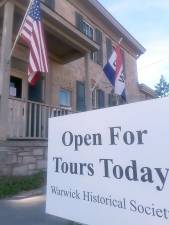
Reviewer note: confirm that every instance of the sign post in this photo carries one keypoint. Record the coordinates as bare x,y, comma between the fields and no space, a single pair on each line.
111,166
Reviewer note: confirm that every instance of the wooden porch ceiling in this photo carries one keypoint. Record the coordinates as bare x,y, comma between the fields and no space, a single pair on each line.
61,51
65,42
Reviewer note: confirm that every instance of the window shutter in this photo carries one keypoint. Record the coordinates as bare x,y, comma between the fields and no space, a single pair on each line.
99,53
80,96
79,21
50,3
112,100
109,48
101,100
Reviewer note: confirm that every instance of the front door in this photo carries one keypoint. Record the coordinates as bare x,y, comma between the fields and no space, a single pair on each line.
34,110
35,92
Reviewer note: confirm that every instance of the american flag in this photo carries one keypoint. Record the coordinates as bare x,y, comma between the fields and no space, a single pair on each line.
32,33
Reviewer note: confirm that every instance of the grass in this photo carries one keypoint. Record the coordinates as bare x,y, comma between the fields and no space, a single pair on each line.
10,186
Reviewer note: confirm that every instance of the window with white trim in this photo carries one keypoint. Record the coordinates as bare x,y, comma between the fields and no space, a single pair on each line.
88,30
84,27
65,98
98,99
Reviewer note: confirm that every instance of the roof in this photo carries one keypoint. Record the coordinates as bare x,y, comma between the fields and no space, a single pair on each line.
147,90
122,31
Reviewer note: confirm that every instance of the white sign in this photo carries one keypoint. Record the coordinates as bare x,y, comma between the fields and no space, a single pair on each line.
12,91
111,166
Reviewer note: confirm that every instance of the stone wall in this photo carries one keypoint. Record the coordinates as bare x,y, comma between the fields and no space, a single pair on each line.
22,157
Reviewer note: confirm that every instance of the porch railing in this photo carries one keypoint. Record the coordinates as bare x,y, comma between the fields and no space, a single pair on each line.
29,120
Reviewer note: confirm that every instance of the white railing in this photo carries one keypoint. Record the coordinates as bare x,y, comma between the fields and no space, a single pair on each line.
29,119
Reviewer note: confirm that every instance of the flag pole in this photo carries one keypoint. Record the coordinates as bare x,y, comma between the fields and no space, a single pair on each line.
120,40
19,32
117,100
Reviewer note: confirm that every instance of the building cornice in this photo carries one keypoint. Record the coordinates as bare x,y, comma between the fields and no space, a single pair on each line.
122,31
147,90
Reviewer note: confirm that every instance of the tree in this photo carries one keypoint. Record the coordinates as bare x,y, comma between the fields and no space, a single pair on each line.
162,88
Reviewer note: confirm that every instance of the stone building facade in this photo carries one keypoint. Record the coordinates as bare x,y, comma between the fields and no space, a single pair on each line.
80,38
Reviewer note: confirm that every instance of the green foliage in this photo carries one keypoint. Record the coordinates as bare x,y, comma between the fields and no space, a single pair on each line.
12,185
162,88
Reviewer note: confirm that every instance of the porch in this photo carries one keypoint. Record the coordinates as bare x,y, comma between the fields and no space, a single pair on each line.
29,120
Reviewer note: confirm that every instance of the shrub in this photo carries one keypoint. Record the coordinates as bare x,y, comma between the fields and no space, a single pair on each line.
13,185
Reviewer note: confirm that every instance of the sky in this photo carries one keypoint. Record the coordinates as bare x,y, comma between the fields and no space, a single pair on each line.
148,22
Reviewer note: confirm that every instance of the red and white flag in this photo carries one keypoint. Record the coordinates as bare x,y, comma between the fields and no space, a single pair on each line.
114,71
33,34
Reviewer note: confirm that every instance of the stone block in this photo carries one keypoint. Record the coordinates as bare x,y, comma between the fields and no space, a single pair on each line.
39,157
3,157
38,152
24,153
4,171
46,154
28,159
32,166
19,159
13,158
41,164
20,170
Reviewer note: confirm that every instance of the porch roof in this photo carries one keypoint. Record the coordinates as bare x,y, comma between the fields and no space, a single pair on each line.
64,41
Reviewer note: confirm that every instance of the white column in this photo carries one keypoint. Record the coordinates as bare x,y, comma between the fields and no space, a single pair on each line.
6,46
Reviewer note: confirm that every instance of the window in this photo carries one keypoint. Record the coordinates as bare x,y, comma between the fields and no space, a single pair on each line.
84,27
93,34
50,3
15,87
121,100
88,30
80,96
112,99
100,99
65,98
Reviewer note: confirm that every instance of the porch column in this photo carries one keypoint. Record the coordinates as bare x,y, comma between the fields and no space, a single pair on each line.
88,93
6,45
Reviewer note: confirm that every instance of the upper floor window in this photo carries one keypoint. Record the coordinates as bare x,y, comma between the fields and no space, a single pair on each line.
65,98
50,3
84,27
93,34
88,30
